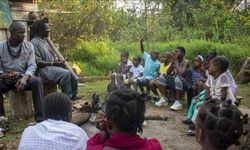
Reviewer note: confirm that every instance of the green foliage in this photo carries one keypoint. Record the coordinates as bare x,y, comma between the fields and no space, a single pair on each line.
94,58
98,58
154,20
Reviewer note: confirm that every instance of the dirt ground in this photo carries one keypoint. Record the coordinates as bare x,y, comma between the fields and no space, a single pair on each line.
171,133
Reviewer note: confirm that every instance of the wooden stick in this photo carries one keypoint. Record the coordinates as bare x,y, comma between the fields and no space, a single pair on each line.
60,56
156,117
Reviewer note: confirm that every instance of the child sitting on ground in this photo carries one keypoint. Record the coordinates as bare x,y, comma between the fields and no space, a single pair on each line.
219,125
218,83
120,122
201,86
165,64
197,73
181,82
117,79
135,72
214,87
151,70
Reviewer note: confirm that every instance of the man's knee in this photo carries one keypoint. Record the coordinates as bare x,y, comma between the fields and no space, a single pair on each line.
65,74
36,80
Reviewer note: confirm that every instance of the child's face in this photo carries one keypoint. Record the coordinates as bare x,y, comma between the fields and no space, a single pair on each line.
165,58
154,55
212,69
206,64
197,62
136,61
124,58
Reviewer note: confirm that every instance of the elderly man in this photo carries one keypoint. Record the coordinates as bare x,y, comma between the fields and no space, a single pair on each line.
49,67
17,67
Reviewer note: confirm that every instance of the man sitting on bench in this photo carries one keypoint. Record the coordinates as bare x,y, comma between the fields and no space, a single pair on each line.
17,67
49,67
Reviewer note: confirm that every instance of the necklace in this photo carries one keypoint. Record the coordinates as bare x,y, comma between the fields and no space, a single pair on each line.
12,53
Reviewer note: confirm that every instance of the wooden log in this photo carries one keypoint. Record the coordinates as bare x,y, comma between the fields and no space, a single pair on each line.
156,117
79,118
244,74
21,104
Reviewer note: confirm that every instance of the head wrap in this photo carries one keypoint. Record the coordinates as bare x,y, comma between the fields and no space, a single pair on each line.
201,58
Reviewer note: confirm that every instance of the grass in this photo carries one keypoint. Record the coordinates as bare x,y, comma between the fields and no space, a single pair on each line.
86,90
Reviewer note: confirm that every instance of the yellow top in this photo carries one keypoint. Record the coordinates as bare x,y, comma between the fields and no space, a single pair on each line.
163,68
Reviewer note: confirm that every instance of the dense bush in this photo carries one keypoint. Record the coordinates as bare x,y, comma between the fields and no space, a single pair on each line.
94,58
98,58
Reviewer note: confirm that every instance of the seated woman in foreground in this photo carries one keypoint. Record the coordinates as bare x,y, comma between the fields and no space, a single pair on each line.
122,119
219,125
55,132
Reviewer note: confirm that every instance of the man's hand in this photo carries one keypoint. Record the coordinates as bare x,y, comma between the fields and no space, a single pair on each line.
9,75
21,83
58,63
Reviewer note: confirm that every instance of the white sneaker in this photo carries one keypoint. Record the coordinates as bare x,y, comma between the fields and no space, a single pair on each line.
161,102
176,106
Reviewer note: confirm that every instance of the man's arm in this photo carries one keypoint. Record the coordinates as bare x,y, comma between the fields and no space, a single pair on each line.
31,63
142,47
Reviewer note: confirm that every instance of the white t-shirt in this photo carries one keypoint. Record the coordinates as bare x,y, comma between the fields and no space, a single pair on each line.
53,134
215,86
136,71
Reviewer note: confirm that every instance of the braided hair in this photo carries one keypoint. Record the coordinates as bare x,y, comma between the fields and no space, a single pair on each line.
125,109
57,106
222,122
221,62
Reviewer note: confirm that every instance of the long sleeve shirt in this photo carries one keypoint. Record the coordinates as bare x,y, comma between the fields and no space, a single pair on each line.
24,63
123,141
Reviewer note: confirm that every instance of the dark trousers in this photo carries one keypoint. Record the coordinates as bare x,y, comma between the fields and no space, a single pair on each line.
35,85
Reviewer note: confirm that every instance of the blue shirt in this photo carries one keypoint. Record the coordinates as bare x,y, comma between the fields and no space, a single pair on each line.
151,67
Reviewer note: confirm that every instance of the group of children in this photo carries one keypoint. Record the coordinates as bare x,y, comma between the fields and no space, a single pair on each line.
170,73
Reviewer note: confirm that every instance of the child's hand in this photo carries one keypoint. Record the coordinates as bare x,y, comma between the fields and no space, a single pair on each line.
101,122
196,101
